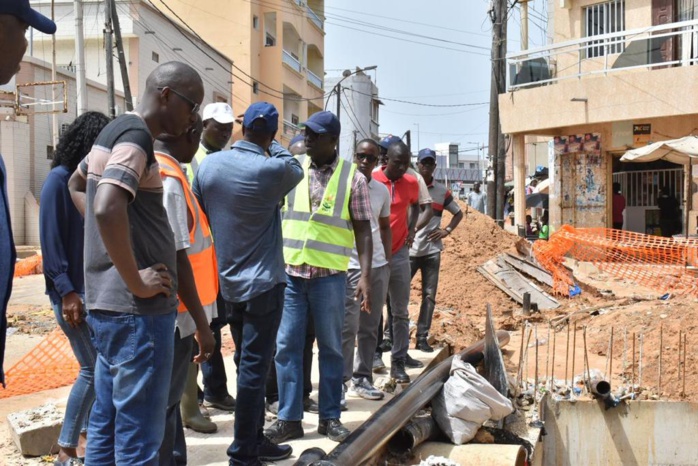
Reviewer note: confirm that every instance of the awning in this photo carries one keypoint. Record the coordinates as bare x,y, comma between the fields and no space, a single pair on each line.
679,151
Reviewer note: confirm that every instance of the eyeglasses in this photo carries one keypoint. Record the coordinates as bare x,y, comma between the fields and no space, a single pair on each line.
367,157
194,105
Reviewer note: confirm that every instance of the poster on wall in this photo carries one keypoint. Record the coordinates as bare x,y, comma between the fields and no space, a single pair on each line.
589,143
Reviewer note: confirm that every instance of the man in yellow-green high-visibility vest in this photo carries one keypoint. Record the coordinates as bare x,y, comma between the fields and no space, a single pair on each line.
324,216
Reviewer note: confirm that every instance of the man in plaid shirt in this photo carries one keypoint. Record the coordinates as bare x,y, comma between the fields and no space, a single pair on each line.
319,291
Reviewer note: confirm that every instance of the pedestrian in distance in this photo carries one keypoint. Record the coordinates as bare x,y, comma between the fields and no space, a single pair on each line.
361,328
323,218
131,269
16,16
425,253
62,234
241,191
198,278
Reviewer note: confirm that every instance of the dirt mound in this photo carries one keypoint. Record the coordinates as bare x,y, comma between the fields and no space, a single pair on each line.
463,292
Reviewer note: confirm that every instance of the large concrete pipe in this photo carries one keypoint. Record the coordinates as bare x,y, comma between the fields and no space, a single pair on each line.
373,434
473,453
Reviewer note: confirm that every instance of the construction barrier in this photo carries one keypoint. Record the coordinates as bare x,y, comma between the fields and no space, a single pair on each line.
662,264
31,265
51,364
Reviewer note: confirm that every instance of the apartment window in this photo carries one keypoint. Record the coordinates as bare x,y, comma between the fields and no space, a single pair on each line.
604,18
156,57
270,41
255,22
255,87
49,152
473,165
295,120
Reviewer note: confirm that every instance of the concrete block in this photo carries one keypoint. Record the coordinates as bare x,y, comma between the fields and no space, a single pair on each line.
36,431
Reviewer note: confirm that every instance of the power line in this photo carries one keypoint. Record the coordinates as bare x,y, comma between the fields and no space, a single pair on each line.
417,103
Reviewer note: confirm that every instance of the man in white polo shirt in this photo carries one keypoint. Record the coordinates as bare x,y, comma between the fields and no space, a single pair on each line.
218,128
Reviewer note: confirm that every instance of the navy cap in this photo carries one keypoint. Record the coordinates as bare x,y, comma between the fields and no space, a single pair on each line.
426,154
323,123
296,139
264,111
388,141
22,10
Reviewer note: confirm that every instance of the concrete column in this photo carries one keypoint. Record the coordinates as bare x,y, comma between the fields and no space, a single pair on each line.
519,152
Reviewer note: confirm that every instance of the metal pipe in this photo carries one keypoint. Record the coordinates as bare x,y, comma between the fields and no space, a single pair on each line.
601,389
365,441
417,431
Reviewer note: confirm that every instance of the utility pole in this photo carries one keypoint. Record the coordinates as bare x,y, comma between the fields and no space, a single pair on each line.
80,58
54,117
122,56
524,24
109,48
497,149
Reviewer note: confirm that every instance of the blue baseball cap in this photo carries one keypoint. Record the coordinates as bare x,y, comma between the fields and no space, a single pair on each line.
296,139
24,12
388,141
323,123
264,111
426,154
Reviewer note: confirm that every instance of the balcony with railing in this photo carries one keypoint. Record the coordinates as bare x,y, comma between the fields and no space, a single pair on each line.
662,46
290,130
291,61
314,18
314,79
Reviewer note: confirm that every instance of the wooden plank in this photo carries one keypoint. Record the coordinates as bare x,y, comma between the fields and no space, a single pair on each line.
516,285
529,269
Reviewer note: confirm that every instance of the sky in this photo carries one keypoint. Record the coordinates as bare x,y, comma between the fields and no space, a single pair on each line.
416,68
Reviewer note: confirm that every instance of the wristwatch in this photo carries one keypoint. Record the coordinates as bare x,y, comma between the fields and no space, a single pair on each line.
448,230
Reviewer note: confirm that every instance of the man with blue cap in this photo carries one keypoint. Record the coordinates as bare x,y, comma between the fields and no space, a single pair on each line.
327,213
15,17
241,190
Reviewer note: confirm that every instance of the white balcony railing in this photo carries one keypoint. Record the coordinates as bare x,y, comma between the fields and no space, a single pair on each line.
314,79
641,49
290,129
314,17
291,61
298,2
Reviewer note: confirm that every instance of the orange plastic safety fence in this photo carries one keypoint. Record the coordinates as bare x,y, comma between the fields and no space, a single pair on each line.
51,364
658,263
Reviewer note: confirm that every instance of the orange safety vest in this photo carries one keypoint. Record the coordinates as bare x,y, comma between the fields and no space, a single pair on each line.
202,255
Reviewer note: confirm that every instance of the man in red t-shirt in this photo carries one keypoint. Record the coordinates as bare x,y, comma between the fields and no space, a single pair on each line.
404,212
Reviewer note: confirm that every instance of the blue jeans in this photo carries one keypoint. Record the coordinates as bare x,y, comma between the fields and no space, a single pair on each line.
169,450
132,383
254,324
82,395
323,298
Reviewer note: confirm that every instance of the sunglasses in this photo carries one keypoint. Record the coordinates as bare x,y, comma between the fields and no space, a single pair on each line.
194,105
367,157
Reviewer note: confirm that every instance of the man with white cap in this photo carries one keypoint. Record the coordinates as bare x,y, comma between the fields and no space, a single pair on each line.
15,17
218,127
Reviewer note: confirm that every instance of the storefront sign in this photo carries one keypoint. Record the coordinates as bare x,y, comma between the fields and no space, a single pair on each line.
642,134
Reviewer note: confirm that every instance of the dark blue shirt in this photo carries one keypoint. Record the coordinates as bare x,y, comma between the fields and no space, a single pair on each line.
8,256
62,237
241,190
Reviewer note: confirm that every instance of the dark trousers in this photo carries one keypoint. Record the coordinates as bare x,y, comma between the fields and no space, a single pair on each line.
385,332
429,266
272,392
213,370
170,452
254,325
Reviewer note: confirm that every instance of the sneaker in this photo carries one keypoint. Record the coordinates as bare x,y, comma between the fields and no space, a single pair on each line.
273,407
386,345
227,403
424,346
412,363
282,431
310,406
378,364
363,388
269,451
343,401
333,429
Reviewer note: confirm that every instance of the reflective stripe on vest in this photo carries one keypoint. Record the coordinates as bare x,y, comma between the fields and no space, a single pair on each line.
201,253
324,238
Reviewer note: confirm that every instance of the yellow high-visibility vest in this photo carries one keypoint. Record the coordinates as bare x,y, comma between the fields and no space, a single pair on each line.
324,238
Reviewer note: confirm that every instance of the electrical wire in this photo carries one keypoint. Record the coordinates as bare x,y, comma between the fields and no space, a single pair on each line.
417,103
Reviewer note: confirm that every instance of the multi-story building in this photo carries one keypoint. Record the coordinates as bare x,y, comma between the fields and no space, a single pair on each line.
459,169
278,49
359,108
617,75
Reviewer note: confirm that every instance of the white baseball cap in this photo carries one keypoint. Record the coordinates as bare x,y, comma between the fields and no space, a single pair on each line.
219,111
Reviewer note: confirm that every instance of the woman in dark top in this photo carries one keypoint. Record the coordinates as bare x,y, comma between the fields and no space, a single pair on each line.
62,240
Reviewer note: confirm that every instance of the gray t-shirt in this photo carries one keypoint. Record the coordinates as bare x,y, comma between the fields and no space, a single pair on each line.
380,206
123,156
442,200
